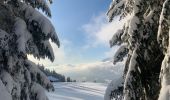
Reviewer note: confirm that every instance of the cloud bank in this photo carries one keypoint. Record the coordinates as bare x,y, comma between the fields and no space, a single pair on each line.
99,71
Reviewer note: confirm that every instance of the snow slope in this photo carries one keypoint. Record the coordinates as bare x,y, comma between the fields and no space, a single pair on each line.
78,91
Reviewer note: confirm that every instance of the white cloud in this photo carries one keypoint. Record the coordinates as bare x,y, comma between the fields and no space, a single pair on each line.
100,31
99,71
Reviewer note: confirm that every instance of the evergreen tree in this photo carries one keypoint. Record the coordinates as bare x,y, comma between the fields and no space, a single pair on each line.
24,30
68,79
61,78
144,40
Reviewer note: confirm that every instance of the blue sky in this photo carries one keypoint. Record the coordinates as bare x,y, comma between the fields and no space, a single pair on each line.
69,17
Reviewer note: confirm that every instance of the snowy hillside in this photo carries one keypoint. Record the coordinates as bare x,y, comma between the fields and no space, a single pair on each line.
78,91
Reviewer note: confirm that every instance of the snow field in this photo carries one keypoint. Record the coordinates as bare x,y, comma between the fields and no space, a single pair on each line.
78,91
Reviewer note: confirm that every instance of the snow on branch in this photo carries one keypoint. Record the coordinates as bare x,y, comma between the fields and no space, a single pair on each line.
164,23
48,47
45,25
165,79
4,38
5,95
129,79
114,90
40,4
164,38
115,9
23,35
120,54
38,92
116,39
38,76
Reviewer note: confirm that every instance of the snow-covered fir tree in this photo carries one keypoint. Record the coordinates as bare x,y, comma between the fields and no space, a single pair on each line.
145,41
24,30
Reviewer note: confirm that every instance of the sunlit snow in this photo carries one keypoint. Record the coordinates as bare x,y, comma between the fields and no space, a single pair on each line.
78,91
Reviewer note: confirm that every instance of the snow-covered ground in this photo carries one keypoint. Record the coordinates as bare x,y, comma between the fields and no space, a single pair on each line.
78,91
